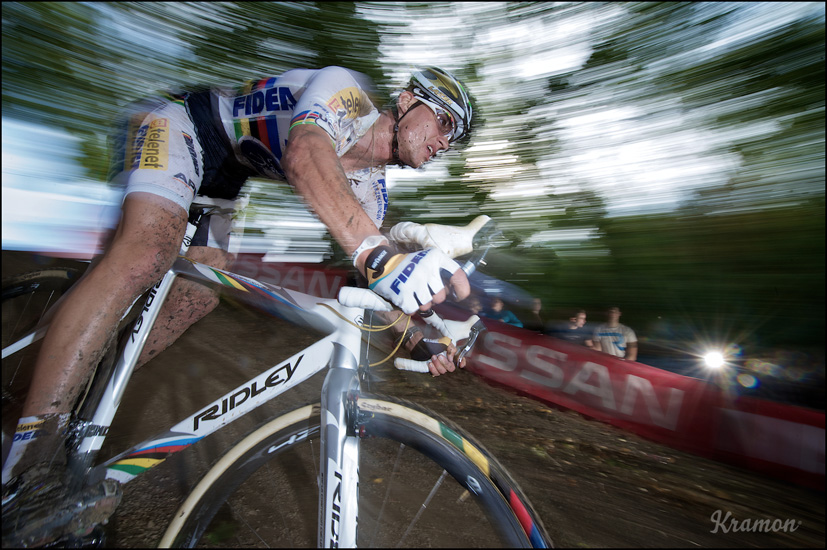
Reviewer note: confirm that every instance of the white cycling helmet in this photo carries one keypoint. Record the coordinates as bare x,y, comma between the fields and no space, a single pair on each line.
438,87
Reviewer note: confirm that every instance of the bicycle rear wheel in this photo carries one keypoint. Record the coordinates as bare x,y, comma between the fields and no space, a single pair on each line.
264,490
26,299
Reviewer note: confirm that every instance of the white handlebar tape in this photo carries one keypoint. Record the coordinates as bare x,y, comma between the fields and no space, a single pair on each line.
409,364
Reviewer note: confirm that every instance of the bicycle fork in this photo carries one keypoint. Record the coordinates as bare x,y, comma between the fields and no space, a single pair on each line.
339,456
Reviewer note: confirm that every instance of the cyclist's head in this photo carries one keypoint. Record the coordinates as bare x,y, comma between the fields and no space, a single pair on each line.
440,90
448,101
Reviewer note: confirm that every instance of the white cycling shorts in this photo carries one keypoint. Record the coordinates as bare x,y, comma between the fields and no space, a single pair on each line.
157,152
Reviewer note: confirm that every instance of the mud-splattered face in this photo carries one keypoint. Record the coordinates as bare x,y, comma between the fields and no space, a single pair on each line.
421,133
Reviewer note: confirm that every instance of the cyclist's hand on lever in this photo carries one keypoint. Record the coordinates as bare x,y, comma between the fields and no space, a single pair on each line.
438,352
413,282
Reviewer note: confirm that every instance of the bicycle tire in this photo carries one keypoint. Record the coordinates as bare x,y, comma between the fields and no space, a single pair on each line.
20,291
498,498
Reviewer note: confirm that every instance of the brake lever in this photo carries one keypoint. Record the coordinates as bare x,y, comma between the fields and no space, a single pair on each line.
475,332
488,238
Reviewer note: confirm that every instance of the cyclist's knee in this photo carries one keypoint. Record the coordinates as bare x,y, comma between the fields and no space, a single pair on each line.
187,303
214,257
137,266
198,299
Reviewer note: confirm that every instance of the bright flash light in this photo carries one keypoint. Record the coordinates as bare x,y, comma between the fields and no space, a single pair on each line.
714,360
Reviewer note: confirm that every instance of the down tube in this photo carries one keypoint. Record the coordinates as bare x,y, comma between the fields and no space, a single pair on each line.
233,405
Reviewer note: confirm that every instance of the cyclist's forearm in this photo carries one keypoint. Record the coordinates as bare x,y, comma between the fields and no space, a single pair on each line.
313,169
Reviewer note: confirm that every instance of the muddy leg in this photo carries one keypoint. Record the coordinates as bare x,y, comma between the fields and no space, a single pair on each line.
188,301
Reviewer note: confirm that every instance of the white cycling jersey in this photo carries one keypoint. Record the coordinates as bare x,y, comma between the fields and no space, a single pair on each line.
208,143
258,119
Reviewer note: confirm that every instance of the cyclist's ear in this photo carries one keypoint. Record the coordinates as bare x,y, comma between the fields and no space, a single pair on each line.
405,101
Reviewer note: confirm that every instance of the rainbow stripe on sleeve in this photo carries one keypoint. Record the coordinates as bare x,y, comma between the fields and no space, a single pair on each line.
263,128
305,117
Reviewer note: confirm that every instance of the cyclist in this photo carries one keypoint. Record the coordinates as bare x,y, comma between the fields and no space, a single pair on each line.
318,129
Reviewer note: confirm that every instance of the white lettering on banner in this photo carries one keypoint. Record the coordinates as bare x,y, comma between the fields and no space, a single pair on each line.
603,390
553,376
551,369
508,360
636,385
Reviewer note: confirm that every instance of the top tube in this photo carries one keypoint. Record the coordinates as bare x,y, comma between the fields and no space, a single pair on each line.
291,305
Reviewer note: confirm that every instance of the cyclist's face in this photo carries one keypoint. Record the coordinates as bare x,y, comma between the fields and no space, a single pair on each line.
421,133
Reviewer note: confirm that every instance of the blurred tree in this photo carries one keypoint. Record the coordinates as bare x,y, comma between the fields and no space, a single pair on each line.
724,253
56,74
74,65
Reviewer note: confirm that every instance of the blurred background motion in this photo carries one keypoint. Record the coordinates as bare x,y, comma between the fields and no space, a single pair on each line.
667,158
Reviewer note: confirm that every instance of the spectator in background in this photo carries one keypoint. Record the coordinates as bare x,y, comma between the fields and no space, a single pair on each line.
498,313
473,304
614,338
535,321
575,330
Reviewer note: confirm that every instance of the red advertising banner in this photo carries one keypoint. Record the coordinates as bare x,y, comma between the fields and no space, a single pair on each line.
685,413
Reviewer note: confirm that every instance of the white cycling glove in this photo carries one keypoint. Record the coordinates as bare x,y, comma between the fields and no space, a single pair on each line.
454,241
407,280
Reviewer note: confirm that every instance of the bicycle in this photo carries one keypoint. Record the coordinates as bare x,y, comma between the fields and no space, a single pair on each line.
345,435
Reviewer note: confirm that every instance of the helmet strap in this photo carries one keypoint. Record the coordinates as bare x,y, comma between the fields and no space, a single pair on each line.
395,142
397,119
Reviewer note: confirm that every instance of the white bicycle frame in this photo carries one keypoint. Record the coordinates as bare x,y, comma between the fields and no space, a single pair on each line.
340,352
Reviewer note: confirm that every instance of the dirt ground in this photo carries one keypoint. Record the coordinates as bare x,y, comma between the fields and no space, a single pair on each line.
593,485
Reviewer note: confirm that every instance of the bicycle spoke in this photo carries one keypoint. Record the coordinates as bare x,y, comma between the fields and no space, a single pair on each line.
253,531
13,337
424,505
387,492
22,316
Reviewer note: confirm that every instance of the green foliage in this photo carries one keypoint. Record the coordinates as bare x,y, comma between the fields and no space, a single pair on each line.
53,70
756,273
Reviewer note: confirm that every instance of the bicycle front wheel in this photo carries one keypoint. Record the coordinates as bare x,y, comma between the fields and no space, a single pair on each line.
423,483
